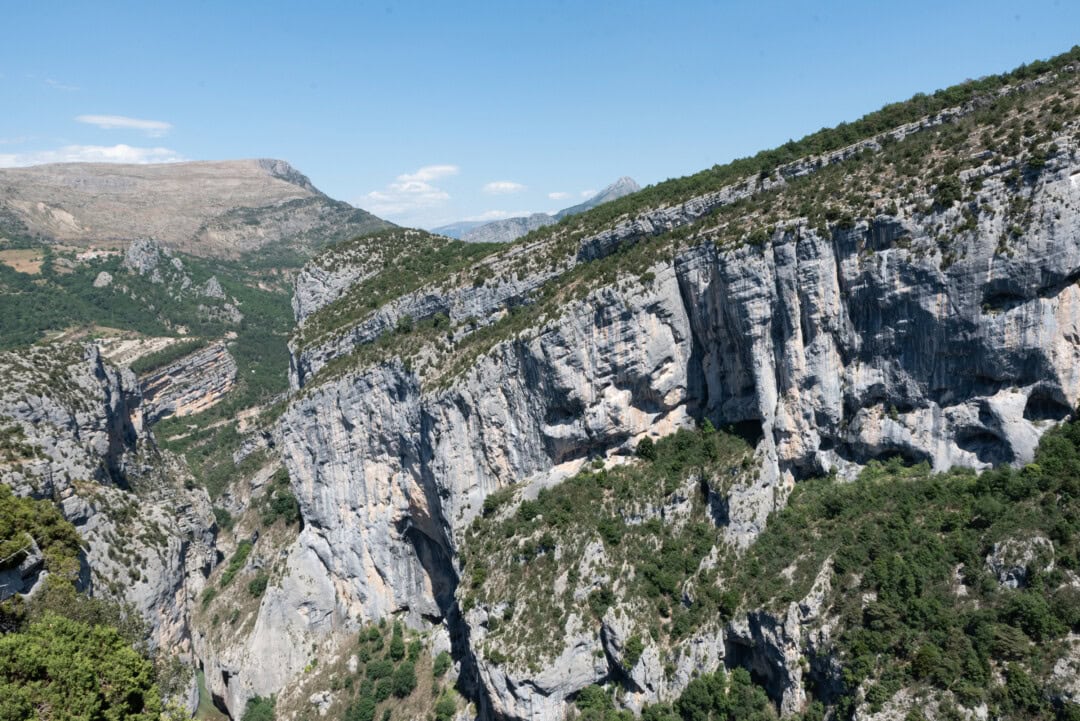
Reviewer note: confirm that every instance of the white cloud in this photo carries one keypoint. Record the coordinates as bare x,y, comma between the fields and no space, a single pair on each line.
503,187
153,128
410,192
91,154
429,173
57,85
559,195
587,193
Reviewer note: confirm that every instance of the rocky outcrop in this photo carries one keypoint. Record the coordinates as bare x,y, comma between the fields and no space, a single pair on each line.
149,259
844,346
203,208
21,578
213,289
1011,561
783,649
190,384
328,278
84,445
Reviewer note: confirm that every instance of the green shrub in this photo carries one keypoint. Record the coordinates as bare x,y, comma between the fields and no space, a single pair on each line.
380,668
441,664
259,708
61,664
362,710
397,643
279,501
223,518
257,585
949,190
236,562
445,708
404,679
646,449
632,653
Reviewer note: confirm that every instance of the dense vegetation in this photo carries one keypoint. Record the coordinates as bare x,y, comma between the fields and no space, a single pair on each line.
394,677
63,655
167,355
62,297
717,696
26,523
57,667
918,545
654,522
922,568
396,262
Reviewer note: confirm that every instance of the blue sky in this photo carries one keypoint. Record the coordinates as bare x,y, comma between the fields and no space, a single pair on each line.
429,112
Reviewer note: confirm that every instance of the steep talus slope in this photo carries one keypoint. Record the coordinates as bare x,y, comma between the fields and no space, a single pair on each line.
910,294
221,208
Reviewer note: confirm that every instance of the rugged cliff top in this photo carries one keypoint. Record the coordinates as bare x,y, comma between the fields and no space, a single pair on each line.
204,208
931,165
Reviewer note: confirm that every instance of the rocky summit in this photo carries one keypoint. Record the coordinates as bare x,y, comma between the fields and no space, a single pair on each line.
794,437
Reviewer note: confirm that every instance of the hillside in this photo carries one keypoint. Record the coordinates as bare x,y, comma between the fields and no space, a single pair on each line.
221,209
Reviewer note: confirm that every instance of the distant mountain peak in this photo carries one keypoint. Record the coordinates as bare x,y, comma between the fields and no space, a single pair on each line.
503,231
623,186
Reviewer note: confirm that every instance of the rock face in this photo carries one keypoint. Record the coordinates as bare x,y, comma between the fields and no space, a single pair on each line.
22,578
84,444
190,384
203,208
1010,561
840,346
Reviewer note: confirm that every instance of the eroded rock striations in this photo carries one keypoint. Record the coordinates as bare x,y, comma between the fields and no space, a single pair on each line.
82,442
190,384
856,341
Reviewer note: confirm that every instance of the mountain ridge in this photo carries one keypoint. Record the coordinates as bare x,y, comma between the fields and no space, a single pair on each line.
212,208
509,229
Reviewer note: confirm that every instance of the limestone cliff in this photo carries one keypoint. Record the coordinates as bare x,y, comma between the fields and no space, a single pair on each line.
899,323
83,444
